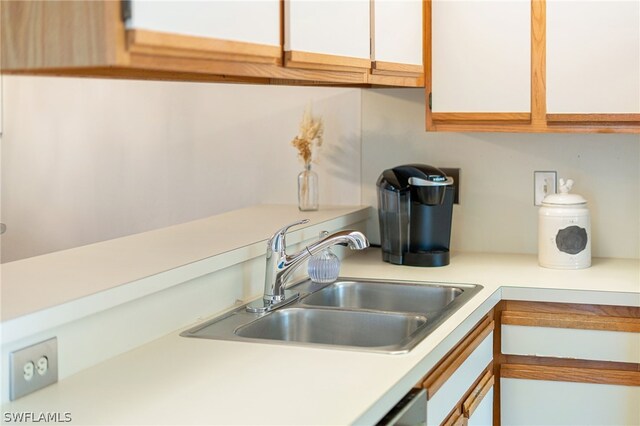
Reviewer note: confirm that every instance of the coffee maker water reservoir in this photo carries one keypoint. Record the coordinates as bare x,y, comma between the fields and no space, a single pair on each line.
415,205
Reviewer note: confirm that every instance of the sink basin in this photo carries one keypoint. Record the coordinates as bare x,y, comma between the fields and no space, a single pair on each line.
374,295
327,327
353,314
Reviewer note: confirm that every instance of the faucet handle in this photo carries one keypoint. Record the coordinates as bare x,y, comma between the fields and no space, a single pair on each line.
277,241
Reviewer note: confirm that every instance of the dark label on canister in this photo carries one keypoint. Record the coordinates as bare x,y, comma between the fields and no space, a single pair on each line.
572,239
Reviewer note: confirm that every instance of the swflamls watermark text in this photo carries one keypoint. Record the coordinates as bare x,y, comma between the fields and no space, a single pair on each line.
33,417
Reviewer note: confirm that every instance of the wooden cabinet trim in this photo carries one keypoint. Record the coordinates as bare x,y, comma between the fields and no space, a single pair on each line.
397,69
321,61
178,45
571,363
38,35
395,80
478,393
574,321
593,118
227,68
538,62
571,308
455,419
570,374
530,128
454,359
471,117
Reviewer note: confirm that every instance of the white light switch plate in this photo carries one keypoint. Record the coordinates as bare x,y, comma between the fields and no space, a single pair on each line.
544,183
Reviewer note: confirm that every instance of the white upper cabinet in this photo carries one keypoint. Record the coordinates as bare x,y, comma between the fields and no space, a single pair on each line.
593,56
397,31
481,56
244,21
337,28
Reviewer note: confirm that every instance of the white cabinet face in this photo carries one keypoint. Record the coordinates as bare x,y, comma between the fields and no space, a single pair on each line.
339,28
593,56
481,56
397,31
571,343
541,402
255,21
483,414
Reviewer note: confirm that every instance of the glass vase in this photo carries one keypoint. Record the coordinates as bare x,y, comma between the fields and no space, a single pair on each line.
307,189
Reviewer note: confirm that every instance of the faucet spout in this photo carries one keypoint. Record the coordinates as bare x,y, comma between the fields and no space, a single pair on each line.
280,265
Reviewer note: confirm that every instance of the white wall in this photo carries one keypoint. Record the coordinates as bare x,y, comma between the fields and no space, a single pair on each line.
86,160
496,212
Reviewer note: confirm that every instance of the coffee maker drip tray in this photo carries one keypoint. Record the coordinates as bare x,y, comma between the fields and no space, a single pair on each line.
427,258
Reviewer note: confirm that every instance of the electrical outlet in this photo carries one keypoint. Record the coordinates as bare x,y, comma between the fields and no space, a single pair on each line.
544,183
33,368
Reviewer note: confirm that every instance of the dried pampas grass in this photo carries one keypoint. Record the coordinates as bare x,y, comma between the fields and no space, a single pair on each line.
311,130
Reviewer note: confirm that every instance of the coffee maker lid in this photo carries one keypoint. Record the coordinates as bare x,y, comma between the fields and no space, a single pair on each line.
401,177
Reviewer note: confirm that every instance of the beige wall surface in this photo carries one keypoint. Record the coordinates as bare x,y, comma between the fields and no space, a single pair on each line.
86,160
496,211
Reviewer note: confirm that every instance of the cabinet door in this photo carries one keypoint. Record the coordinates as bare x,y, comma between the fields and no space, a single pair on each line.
593,58
238,29
572,332
327,34
396,33
556,342
441,402
541,402
480,59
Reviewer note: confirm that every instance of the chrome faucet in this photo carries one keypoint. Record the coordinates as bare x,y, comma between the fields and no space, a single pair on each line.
280,265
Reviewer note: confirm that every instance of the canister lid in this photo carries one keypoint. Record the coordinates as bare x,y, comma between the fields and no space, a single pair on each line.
564,197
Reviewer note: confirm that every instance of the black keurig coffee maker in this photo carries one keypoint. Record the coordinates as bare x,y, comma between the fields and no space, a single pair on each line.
415,203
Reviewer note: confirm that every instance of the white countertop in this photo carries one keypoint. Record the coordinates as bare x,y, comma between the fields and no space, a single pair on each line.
176,380
43,291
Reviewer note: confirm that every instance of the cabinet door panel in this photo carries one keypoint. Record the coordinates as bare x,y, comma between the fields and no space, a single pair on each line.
246,21
443,401
571,343
339,28
481,56
593,56
397,31
540,402
483,415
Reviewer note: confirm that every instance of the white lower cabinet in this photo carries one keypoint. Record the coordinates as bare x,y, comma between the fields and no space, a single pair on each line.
569,364
541,402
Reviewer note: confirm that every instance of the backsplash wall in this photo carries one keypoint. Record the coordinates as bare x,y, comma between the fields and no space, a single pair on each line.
86,160
496,211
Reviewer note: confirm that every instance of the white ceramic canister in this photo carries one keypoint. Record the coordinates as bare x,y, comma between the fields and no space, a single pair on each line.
564,230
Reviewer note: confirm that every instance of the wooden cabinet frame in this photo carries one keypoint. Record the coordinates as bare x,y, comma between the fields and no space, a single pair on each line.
89,39
537,121
562,315
454,359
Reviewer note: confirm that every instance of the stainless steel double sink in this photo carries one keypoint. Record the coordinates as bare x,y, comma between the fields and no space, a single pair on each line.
355,314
